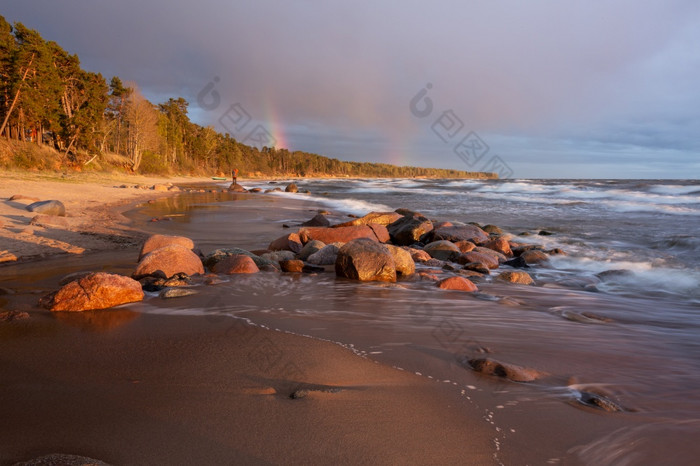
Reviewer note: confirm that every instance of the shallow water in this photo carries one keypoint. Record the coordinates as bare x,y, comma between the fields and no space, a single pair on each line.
634,339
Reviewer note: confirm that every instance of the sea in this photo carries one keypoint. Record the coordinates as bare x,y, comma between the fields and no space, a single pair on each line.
613,324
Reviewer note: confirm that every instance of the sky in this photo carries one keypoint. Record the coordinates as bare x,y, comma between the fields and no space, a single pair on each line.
536,89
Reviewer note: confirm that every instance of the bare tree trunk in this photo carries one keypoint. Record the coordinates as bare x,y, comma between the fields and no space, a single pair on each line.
14,101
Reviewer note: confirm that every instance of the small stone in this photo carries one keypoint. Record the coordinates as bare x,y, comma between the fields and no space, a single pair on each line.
169,293
12,316
504,370
292,266
516,276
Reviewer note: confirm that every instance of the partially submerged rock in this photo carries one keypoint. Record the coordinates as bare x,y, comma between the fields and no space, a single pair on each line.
379,218
97,290
471,233
326,255
235,264
365,260
516,276
457,284
158,241
319,220
168,261
504,370
404,264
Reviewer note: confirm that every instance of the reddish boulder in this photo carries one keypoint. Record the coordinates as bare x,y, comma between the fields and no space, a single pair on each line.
94,291
292,266
290,242
457,283
443,250
158,241
486,259
465,246
168,261
236,188
365,260
459,233
418,255
499,245
380,218
235,264
534,257
380,232
516,276
402,260
336,235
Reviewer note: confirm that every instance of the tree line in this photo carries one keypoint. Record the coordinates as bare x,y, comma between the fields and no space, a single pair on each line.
47,99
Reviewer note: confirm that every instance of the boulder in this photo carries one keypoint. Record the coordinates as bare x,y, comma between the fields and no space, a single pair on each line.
465,246
470,233
290,242
486,259
477,267
516,276
319,220
12,316
97,290
457,283
336,235
222,253
492,229
291,188
408,230
365,260
504,370
310,248
380,232
236,188
235,264
292,266
534,256
418,255
403,262
379,218
168,261
52,207
500,245
443,250
277,256
517,262
158,241
325,256
495,254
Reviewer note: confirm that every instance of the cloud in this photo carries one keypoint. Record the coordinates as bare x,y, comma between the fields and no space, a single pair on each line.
618,72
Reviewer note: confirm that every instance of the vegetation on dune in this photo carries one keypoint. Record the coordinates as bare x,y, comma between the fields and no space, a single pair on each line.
55,115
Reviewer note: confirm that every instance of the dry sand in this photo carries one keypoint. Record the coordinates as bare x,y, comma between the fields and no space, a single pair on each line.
94,206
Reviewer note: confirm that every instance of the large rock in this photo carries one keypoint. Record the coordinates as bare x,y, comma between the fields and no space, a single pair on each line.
534,256
443,250
291,188
97,290
326,255
470,233
319,220
465,246
235,264
336,235
487,260
516,276
158,241
380,232
310,248
51,207
495,254
168,261
500,245
290,242
380,218
408,230
457,283
365,260
222,253
403,262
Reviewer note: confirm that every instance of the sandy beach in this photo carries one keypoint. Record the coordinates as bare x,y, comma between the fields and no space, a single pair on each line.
131,388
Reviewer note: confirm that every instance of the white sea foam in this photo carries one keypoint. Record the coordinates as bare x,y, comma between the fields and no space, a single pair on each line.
353,206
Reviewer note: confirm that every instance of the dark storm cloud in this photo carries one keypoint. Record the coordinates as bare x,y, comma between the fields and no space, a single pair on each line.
339,75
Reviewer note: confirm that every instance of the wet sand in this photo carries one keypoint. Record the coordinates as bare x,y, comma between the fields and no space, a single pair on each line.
130,388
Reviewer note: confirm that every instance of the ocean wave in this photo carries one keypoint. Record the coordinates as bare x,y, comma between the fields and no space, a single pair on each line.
352,206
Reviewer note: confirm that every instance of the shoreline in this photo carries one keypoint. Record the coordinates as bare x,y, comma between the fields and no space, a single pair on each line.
169,389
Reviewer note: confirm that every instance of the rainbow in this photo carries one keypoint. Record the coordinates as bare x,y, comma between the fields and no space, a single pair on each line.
274,125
